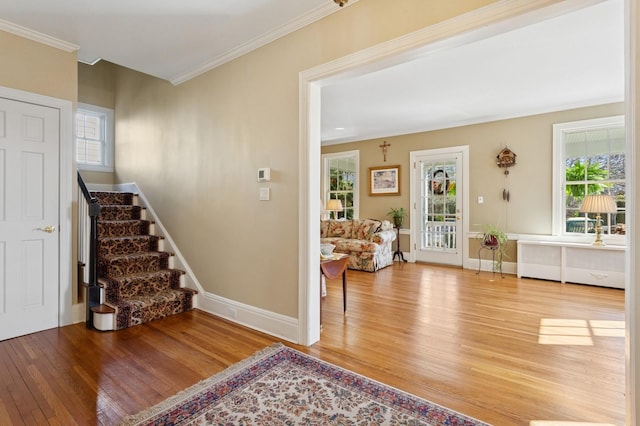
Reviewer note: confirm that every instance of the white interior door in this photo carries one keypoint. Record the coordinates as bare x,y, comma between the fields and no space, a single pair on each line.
29,185
436,222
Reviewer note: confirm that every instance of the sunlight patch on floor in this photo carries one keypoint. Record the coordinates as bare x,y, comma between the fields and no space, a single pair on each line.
607,328
577,332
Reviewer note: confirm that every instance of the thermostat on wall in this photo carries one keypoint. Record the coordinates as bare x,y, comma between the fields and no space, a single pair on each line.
264,174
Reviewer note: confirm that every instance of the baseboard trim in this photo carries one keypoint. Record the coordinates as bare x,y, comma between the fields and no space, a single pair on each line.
274,324
507,267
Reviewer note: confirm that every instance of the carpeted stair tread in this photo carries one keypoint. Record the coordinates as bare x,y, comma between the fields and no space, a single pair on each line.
148,307
142,283
122,228
127,245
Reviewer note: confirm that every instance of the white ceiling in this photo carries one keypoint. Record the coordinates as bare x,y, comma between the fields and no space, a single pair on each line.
169,39
569,61
573,60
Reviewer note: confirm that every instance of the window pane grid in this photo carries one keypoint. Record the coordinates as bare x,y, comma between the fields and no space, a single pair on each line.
90,138
341,184
594,164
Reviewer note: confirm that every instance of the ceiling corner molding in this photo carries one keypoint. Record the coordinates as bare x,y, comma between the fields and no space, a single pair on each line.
89,62
37,37
294,25
473,25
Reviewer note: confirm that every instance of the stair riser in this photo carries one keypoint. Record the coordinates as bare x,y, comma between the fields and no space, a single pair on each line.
135,312
125,287
132,265
114,198
123,228
119,246
120,213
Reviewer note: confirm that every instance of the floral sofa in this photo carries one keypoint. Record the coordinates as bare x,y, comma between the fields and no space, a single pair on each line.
367,241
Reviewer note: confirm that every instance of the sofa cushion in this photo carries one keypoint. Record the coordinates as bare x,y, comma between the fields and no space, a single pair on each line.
351,246
341,228
366,228
359,246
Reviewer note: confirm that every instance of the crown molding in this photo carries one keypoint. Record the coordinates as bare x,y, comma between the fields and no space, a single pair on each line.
37,37
294,25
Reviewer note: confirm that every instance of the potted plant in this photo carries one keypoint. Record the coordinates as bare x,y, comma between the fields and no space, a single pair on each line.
397,215
496,239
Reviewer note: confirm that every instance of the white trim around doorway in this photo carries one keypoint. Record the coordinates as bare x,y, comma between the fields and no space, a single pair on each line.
493,19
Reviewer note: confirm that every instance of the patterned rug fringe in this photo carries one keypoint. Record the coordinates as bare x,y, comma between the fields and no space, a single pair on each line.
200,386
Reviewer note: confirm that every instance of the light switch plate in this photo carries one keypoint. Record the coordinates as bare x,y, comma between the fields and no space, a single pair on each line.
264,194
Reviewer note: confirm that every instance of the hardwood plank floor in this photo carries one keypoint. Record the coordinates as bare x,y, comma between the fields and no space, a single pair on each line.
473,343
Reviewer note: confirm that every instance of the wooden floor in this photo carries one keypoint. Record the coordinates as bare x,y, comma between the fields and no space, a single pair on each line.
506,351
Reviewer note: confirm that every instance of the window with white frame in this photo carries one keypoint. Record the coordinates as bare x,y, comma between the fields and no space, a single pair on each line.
590,159
340,181
94,138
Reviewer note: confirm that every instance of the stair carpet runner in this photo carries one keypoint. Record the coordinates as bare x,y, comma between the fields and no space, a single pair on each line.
134,274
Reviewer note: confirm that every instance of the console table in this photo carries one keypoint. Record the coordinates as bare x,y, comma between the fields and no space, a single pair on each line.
572,262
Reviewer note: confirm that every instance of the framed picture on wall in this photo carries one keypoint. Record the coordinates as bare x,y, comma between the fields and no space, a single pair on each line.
384,180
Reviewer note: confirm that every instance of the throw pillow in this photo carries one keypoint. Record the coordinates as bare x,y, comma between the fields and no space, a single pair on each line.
341,228
367,228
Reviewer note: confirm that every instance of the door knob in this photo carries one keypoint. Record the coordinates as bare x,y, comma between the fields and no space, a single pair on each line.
48,229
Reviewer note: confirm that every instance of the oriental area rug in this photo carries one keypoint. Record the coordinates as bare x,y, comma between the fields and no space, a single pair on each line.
282,386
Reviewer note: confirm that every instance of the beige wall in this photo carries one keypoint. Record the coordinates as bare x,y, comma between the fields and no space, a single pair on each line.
194,149
97,84
529,182
36,68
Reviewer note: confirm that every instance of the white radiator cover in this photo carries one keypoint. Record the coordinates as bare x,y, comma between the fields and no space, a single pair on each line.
572,262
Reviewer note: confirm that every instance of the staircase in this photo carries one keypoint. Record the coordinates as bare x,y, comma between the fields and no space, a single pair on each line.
134,273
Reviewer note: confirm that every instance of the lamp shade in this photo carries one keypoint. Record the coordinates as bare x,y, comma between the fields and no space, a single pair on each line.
322,209
598,204
334,205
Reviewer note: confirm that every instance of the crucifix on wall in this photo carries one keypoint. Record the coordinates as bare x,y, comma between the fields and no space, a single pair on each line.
384,147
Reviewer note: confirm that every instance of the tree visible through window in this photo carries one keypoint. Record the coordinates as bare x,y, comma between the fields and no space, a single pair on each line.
593,162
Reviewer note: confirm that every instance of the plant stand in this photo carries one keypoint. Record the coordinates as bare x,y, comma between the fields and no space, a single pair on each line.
398,252
493,249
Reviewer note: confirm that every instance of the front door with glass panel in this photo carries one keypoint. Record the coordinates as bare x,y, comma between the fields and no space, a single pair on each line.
438,208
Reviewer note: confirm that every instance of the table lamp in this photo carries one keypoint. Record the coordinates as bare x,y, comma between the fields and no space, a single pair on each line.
598,204
335,206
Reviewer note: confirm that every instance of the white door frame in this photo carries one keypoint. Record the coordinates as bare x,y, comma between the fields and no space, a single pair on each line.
66,175
464,196
494,18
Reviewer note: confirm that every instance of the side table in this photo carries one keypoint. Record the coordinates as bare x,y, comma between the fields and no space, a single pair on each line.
333,268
